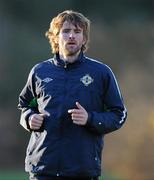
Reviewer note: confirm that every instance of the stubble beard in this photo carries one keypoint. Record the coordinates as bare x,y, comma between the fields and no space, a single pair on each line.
72,51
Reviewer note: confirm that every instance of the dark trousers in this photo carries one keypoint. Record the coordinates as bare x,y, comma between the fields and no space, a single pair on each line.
61,178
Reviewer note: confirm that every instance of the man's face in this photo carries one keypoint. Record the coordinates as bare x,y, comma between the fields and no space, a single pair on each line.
70,39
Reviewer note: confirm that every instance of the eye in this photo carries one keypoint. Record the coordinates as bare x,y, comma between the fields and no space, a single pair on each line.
77,31
66,30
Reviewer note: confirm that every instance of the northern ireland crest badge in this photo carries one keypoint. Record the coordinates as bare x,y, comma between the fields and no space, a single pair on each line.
86,80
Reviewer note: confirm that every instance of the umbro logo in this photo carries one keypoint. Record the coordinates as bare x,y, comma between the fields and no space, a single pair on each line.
47,80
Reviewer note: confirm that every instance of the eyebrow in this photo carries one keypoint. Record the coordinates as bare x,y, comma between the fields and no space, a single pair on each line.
76,28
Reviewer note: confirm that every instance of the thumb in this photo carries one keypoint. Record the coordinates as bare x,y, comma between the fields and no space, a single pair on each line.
42,115
79,105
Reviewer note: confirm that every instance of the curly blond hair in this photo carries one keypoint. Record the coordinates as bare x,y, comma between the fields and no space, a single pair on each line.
73,17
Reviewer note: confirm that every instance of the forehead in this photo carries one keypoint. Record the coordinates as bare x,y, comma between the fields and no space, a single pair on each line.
69,25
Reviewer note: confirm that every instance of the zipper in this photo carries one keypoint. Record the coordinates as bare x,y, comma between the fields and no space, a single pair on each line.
65,65
60,161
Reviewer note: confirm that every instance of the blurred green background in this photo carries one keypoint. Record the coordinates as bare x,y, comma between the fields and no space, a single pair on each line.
122,36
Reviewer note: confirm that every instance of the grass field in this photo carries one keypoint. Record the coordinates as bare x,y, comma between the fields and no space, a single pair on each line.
15,175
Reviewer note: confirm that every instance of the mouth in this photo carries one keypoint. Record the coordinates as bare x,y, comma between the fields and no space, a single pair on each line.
71,43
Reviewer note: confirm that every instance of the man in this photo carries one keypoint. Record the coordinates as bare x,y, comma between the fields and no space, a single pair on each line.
68,104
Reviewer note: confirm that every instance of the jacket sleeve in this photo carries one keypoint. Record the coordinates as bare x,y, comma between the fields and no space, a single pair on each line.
114,114
27,101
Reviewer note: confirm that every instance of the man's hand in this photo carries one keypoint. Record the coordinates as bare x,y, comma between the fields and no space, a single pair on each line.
80,115
36,121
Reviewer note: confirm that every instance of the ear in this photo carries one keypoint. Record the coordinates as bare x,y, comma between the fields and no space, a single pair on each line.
84,41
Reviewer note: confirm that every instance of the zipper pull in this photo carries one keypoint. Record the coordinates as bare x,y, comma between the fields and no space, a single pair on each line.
65,66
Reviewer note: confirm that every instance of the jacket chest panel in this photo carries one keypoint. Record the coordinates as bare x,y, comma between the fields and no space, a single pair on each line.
67,87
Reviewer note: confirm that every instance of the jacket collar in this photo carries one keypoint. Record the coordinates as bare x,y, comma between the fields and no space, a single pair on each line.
65,64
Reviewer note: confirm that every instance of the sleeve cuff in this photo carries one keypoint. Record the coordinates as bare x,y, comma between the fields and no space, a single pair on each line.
89,120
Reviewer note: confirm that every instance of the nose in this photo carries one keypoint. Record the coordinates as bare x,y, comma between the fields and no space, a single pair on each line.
71,35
